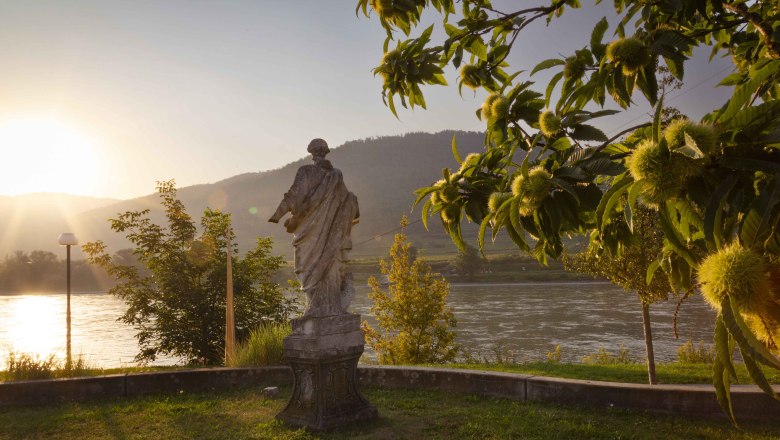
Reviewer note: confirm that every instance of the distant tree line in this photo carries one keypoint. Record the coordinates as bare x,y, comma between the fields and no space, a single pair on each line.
44,271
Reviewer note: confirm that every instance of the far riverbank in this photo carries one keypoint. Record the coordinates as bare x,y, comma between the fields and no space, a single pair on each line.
496,269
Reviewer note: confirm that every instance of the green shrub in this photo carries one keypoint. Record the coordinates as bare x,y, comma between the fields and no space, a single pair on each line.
603,357
26,366
503,354
498,353
554,357
263,347
78,367
689,353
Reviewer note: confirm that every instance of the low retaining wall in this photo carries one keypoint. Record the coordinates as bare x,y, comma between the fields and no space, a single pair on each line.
688,400
137,384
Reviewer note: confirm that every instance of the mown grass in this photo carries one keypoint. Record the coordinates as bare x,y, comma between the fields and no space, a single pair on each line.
404,414
668,373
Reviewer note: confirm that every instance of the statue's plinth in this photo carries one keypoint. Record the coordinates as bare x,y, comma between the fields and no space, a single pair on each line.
323,353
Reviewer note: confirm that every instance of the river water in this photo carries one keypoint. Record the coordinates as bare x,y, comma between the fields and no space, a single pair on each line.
528,319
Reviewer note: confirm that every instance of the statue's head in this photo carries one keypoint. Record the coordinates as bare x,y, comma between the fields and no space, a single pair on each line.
318,148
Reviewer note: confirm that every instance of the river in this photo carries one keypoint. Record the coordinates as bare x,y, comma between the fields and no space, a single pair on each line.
528,319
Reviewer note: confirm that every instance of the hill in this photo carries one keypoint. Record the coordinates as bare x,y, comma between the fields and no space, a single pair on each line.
383,172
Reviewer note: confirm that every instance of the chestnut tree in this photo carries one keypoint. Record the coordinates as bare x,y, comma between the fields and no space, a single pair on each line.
548,171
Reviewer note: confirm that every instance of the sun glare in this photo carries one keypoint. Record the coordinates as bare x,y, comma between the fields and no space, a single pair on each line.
36,326
46,155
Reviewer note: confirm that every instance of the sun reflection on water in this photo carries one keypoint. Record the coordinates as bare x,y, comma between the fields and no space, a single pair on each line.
34,324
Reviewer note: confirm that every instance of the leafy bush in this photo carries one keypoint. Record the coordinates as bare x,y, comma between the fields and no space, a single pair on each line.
468,263
264,346
176,297
603,357
689,353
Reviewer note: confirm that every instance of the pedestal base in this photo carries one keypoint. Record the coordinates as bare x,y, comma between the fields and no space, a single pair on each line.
323,354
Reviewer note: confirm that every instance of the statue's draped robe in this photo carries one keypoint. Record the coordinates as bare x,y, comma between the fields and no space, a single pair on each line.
323,211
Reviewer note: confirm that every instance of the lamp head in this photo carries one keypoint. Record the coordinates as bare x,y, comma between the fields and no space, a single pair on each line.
68,239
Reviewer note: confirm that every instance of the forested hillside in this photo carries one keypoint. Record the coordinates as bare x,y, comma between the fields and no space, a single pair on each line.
383,172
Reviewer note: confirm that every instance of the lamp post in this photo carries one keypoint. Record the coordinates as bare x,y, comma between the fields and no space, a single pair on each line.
68,239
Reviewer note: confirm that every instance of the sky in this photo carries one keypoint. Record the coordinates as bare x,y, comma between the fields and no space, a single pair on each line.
104,98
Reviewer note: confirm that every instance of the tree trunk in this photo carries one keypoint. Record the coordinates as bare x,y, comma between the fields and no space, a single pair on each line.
648,343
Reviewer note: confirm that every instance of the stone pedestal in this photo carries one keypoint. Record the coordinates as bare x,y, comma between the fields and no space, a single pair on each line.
323,353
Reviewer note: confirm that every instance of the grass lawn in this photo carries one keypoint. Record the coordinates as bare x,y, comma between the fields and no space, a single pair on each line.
245,414
667,373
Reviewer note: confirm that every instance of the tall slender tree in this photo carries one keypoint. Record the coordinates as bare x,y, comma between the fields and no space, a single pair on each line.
628,269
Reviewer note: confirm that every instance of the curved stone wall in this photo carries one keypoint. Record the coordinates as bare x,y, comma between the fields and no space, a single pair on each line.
688,400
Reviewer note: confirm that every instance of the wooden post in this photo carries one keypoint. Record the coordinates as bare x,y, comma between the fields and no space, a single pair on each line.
230,324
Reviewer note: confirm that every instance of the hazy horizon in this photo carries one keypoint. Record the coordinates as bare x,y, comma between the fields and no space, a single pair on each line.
305,155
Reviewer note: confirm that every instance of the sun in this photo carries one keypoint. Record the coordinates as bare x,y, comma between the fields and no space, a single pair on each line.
46,155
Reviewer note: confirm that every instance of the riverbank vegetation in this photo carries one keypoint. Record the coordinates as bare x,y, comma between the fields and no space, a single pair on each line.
246,414
263,346
27,366
667,373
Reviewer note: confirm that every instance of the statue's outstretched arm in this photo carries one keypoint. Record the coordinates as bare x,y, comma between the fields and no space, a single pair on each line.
281,210
295,193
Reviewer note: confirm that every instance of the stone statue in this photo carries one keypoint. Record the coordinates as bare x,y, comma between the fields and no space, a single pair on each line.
326,342
323,212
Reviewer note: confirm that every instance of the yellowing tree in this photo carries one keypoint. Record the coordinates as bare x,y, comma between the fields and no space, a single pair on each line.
413,320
